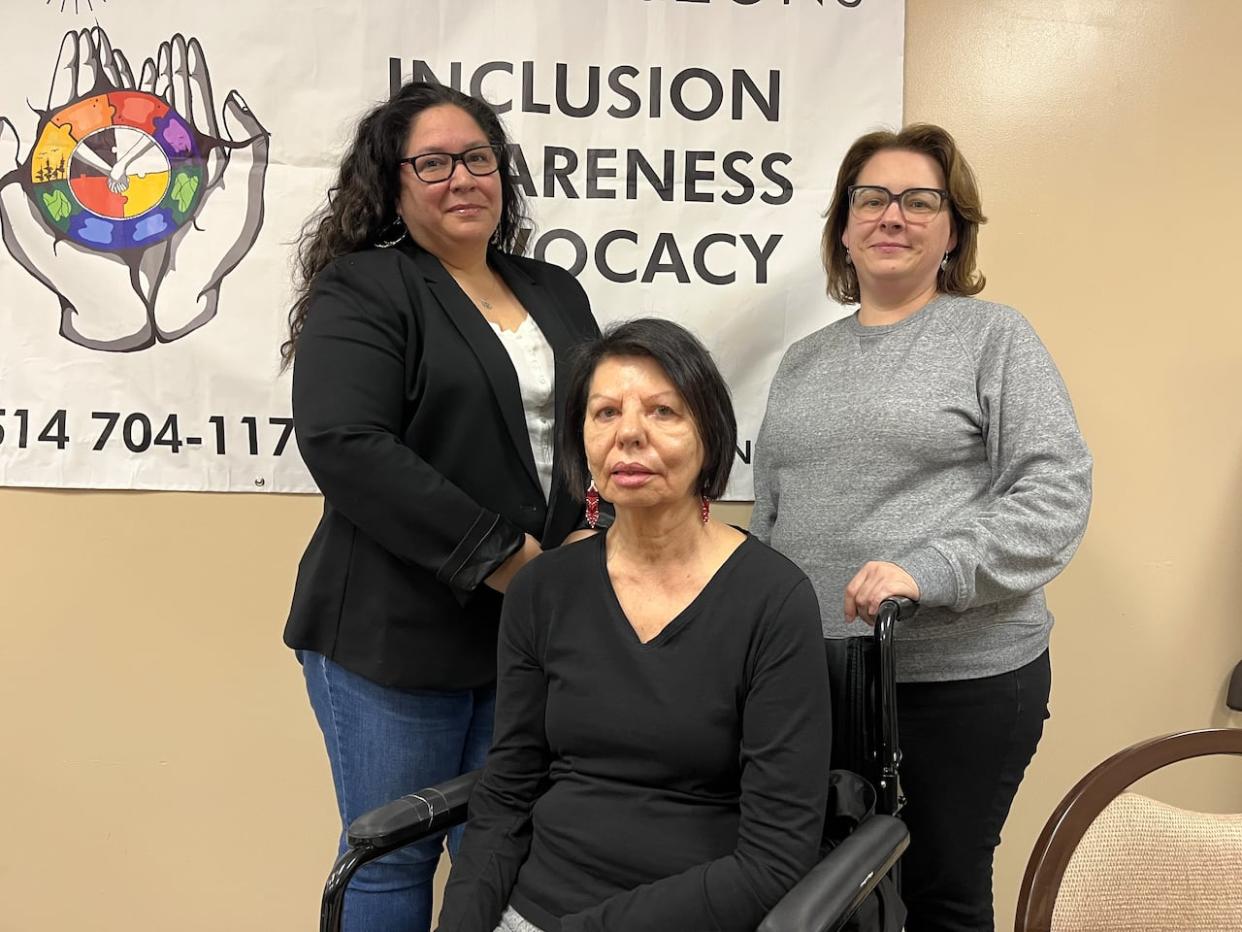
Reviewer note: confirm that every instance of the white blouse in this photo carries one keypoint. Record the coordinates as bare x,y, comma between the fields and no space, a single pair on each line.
536,373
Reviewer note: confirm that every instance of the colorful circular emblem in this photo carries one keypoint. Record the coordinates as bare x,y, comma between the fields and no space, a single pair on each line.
120,170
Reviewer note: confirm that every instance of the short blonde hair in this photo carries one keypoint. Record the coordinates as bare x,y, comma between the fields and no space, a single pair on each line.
959,276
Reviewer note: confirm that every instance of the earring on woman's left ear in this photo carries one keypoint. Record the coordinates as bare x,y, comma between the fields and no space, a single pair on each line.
592,504
944,263
387,239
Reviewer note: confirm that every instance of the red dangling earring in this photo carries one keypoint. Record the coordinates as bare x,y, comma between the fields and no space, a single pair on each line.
592,504
705,510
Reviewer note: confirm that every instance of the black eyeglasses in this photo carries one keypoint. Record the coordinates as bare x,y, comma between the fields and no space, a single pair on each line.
433,167
919,205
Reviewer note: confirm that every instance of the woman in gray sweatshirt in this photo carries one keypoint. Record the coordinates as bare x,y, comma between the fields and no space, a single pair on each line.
925,446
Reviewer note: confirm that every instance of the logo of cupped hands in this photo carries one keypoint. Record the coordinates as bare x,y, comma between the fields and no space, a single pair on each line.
121,207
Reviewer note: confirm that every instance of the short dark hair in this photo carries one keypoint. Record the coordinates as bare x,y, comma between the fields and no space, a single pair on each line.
959,275
691,369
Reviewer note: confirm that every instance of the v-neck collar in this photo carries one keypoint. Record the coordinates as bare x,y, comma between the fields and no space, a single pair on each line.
682,618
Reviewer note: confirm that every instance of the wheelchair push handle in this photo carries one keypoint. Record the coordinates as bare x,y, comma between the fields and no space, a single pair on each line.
891,611
898,607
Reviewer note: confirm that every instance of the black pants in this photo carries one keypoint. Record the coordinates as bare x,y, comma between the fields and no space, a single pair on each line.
965,745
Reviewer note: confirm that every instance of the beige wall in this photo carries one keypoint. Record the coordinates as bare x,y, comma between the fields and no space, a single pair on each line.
1089,123
160,767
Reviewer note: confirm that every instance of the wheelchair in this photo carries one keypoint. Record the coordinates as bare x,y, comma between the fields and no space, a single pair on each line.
863,677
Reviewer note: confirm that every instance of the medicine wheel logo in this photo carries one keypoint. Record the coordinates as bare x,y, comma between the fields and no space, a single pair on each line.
138,196
119,170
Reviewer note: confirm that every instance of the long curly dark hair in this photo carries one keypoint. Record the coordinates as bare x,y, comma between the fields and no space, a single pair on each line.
362,203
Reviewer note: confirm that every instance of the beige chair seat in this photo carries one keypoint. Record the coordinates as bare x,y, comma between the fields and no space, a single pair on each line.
1147,866
1109,860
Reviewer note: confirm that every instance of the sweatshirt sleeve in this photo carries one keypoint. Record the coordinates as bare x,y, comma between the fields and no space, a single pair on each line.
497,836
785,744
767,493
1031,523
348,403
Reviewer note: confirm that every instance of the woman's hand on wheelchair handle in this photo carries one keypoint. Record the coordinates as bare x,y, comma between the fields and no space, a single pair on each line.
871,585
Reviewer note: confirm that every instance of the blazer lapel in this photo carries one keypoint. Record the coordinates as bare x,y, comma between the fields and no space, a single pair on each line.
487,348
543,305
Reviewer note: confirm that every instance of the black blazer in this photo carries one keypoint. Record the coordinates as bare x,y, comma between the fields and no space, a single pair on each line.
407,412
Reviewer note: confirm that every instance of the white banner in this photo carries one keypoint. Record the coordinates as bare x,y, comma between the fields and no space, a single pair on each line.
158,160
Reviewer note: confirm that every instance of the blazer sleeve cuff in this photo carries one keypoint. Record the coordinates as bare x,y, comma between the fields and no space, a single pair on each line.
490,541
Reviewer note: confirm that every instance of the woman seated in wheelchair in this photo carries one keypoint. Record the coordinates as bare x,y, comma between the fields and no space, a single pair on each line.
661,750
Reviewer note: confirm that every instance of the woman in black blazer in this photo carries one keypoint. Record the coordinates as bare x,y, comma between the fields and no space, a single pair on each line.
430,369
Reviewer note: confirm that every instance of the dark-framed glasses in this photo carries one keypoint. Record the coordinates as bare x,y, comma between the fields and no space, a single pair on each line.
431,167
919,205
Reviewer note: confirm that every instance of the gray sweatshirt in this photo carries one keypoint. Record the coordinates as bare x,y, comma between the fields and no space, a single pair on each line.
945,443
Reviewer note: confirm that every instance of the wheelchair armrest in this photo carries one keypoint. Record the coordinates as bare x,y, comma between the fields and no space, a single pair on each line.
393,825
835,887
405,820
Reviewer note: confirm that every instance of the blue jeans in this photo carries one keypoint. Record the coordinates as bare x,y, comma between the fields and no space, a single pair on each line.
383,743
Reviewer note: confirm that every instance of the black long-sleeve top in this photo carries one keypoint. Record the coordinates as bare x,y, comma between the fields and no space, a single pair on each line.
675,785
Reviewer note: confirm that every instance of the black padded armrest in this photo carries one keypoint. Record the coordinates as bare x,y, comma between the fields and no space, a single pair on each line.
838,884
415,816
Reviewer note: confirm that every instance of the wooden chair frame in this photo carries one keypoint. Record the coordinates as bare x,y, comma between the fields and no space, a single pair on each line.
1081,805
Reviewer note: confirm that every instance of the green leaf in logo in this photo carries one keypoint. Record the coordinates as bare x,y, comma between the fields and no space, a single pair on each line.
184,189
57,205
